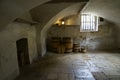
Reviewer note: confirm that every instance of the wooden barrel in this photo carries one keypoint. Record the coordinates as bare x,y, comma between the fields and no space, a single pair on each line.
55,43
76,47
61,48
83,50
68,43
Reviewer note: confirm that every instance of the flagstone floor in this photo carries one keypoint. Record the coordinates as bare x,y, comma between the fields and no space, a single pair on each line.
74,66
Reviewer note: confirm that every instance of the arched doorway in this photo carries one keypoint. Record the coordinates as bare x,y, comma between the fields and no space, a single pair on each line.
22,52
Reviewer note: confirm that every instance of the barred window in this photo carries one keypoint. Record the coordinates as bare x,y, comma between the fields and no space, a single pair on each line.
89,23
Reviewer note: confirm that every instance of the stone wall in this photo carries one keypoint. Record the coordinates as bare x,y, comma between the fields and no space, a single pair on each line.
104,39
118,35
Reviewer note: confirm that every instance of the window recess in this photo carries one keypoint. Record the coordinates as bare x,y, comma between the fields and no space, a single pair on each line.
89,23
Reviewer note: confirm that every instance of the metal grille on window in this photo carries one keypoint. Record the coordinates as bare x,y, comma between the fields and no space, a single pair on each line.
89,23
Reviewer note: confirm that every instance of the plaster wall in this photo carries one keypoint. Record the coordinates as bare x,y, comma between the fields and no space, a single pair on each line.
72,20
8,51
118,35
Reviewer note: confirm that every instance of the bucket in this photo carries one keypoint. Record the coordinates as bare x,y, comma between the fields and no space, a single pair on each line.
76,47
83,50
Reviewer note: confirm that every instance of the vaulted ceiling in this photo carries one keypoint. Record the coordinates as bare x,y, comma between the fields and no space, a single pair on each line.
47,11
67,1
107,9
9,10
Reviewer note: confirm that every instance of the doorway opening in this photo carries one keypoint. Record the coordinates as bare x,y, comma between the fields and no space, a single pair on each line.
22,52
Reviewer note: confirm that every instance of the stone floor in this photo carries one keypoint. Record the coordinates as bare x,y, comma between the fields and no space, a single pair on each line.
74,66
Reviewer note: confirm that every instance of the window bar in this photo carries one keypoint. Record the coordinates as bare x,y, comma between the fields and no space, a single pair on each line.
84,22
81,22
90,23
96,26
94,23
87,27
87,23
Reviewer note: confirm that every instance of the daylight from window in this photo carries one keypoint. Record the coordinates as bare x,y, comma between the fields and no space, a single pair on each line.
89,23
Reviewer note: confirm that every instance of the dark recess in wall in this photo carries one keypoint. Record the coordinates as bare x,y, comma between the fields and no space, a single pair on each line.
101,19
